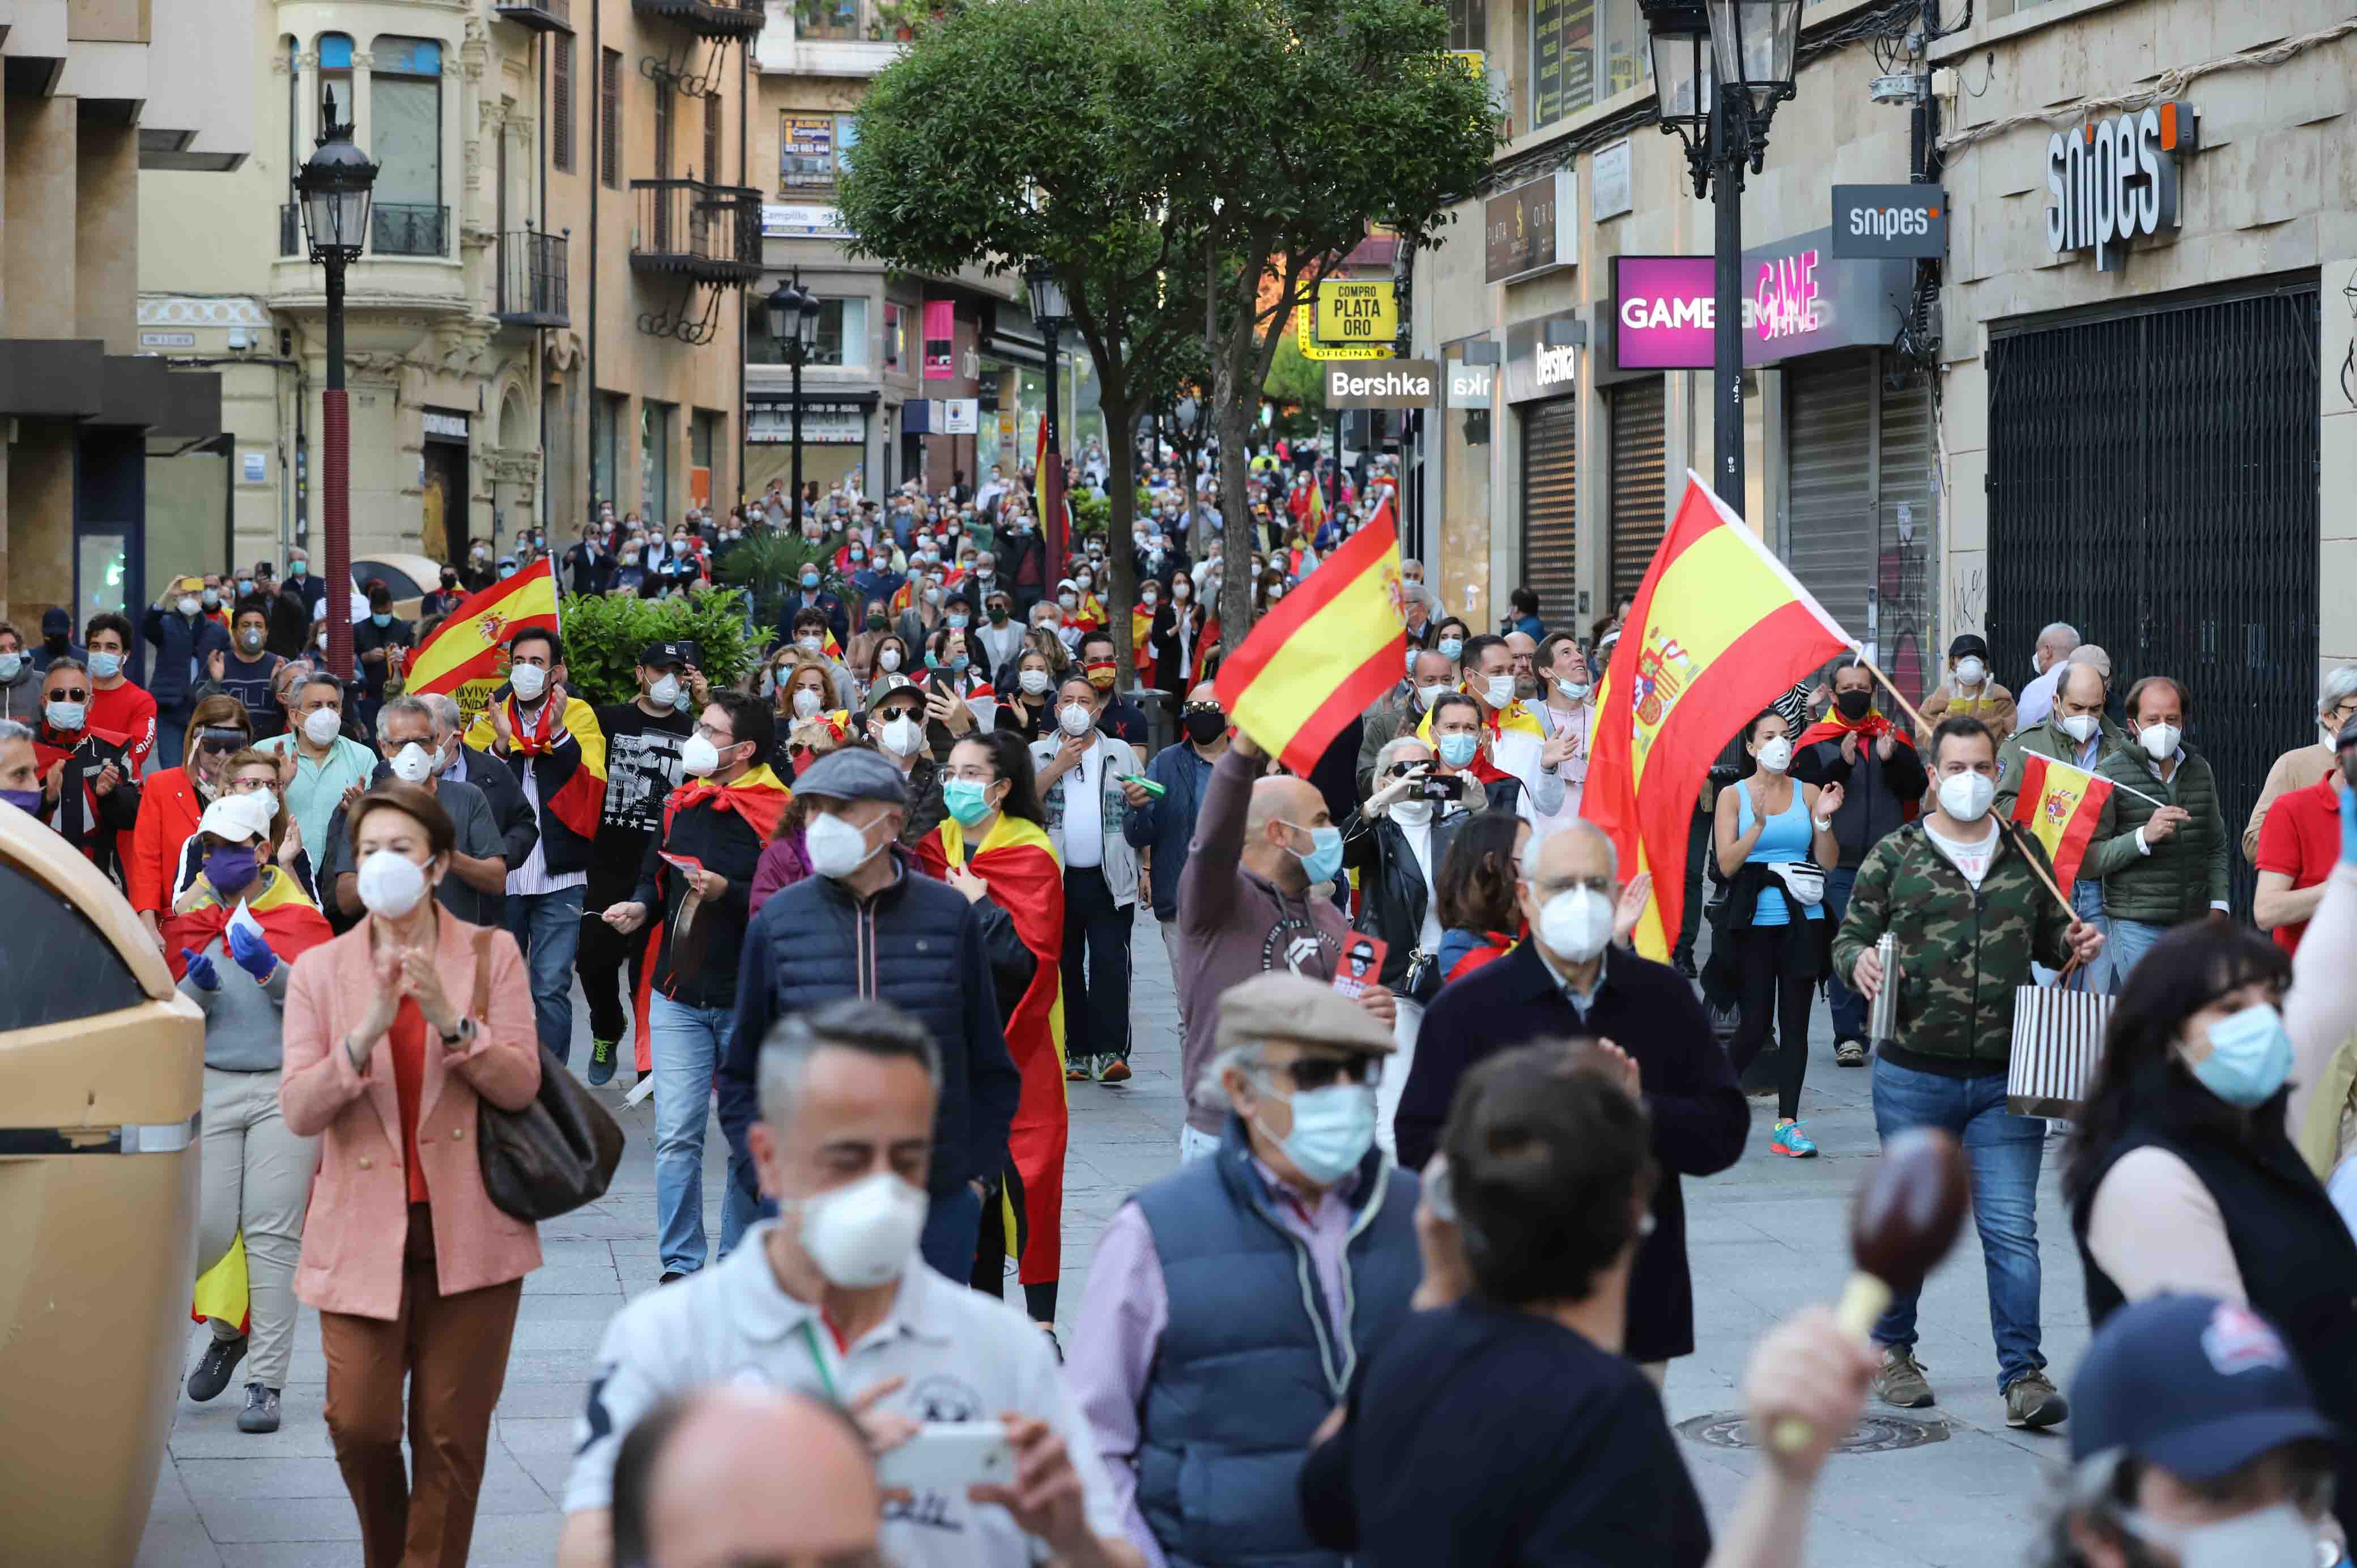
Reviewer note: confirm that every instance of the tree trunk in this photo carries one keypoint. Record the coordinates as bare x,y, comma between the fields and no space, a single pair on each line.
1121,529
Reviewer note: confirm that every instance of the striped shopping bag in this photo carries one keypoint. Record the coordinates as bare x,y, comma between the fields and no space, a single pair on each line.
2058,1038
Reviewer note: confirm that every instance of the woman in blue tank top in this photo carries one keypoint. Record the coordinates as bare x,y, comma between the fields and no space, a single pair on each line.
1767,820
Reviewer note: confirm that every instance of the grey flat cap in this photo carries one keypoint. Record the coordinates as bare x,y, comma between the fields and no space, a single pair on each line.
853,773
1281,1005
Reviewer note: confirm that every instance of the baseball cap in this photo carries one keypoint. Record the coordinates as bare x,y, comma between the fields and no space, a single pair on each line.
655,654
886,685
1278,1005
236,817
854,773
55,622
2195,1385
1968,642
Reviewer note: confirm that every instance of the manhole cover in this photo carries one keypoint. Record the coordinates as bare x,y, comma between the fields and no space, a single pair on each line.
1875,1434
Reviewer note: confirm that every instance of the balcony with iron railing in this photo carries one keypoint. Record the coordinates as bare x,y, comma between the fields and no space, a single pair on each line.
706,233
540,16
840,38
405,229
709,18
533,280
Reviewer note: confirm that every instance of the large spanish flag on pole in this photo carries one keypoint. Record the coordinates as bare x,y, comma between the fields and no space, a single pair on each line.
1322,655
471,643
2059,805
1718,631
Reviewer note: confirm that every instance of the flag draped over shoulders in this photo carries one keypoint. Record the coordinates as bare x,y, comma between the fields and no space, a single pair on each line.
1026,880
760,798
1719,629
290,922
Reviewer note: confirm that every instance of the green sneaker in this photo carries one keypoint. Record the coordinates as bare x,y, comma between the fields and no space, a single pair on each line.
1900,1379
602,1055
2032,1401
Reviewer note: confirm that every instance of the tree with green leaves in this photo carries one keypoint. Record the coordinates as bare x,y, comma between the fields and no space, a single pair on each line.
1311,120
1046,131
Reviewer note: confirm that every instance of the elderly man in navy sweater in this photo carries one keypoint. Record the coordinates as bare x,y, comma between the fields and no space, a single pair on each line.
866,922
1566,981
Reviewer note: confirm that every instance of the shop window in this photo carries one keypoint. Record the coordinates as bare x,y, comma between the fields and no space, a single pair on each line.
1582,52
842,336
407,216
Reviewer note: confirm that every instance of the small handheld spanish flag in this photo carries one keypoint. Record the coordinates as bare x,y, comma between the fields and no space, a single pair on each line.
1322,653
2059,805
471,643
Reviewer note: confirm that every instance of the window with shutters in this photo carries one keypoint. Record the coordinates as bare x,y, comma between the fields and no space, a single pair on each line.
712,137
609,119
560,97
1551,507
663,130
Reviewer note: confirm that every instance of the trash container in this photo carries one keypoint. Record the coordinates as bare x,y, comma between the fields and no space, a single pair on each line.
102,1074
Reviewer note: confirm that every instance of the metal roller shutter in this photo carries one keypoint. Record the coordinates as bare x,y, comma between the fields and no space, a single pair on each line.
1906,576
1638,501
1830,534
1551,506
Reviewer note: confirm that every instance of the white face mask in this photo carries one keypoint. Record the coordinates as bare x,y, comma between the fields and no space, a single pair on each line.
664,693
901,736
863,1235
1774,756
187,605
1427,696
1966,796
835,847
2160,741
810,644
889,659
322,726
2081,727
807,704
1970,671
1035,682
2277,1537
1576,923
1499,690
1074,719
391,884
413,763
699,755
529,680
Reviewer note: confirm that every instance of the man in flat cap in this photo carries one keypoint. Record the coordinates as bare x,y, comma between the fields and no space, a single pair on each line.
868,922
1229,1301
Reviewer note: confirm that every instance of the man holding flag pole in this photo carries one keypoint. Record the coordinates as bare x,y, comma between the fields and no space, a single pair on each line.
2046,781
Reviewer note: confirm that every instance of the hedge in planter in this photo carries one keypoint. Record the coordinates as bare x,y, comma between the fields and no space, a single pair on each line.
604,636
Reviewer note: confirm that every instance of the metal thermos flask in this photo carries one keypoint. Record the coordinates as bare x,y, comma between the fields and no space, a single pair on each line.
1883,1023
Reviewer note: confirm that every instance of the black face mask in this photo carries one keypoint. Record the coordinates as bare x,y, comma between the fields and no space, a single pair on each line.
1205,725
57,644
1854,706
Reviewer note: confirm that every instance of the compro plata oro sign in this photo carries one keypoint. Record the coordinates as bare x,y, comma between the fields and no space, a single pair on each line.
1358,312
1395,383
2116,180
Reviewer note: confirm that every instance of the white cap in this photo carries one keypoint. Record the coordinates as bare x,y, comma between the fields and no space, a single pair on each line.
235,818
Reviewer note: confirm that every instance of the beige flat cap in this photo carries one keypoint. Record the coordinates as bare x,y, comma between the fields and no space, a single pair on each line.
1281,1005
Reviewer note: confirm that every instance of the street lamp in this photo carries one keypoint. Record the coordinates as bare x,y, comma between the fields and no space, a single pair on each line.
334,184
1050,310
793,327
1721,67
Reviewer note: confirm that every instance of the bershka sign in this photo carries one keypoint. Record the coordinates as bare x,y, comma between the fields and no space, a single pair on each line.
2115,181
1908,221
1472,386
1554,367
1392,384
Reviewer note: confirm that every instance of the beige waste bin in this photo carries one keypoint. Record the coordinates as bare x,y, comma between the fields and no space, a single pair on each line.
102,1075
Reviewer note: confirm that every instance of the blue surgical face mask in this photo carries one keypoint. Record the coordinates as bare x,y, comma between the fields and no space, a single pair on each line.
1457,750
1324,861
957,622
382,618
966,800
105,666
2250,1057
810,579
1333,1128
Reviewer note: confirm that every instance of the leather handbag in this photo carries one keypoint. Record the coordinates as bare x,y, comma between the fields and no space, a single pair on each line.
557,1152
1422,981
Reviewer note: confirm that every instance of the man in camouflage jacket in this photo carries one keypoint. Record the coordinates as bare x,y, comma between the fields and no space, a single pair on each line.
1970,908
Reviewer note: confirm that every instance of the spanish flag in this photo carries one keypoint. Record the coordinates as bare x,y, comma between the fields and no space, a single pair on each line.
1325,652
1719,628
222,1290
276,903
2059,805
471,643
757,799
1141,640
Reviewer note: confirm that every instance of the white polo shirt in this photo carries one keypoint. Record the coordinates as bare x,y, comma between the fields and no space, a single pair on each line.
964,1357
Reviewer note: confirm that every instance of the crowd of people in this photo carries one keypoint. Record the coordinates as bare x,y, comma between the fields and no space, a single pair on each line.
1411,1292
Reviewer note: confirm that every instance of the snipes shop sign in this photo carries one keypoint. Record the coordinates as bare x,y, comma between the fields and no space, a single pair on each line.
2114,181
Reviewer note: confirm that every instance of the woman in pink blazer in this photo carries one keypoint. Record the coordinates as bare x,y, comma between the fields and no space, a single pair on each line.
413,1271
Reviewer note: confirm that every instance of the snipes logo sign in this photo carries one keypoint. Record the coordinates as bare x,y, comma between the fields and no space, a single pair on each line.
1878,220
2114,181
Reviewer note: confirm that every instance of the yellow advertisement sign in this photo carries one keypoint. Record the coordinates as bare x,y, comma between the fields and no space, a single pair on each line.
1312,348
1358,311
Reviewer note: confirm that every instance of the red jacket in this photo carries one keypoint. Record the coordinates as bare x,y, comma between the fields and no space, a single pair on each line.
168,812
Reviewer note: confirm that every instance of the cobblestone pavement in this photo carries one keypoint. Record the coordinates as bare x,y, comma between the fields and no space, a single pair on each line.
1766,1238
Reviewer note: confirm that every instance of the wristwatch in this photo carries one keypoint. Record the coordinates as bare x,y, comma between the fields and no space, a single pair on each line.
452,1039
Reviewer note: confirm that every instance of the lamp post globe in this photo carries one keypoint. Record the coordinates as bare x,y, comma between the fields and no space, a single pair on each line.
333,185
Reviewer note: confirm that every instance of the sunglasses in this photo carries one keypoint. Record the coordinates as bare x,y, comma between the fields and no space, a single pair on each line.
221,740
69,694
1313,1073
1402,770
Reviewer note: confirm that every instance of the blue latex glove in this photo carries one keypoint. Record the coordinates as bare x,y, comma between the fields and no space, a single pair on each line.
252,952
202,970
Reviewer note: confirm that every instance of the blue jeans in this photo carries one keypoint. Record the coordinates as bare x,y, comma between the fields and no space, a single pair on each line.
547,927
2128,942
171,735
1848,1008
686,1043
2002,1152
2087,900
952,1227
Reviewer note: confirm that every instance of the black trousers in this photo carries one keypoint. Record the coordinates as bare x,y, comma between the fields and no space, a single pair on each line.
1778,968
1690,920
604,954
1096,967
